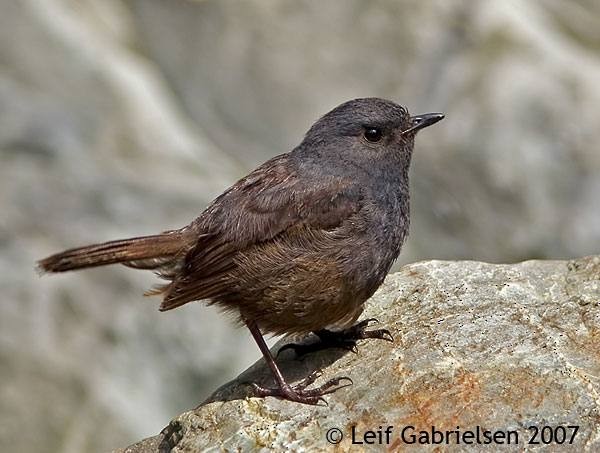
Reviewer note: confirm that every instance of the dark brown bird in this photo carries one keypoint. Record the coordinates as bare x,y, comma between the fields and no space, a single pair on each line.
296,246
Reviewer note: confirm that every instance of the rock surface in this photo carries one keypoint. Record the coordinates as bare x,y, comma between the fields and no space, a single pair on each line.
503,347
512,172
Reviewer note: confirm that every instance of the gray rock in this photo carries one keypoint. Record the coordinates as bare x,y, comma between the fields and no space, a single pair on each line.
502,347
93,147
512,173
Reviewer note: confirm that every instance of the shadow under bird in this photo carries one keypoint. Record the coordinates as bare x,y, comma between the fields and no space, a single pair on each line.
299,244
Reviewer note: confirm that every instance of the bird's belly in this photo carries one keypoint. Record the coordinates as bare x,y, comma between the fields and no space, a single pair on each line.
307,292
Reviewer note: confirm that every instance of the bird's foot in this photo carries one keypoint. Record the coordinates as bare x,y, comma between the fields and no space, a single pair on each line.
300,394
344,339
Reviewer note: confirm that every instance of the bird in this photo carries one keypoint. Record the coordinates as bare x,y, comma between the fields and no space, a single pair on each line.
296,246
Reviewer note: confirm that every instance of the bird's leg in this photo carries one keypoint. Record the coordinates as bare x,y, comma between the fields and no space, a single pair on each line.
344,339
297,393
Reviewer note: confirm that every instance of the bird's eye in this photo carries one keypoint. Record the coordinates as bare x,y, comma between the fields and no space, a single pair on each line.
373,134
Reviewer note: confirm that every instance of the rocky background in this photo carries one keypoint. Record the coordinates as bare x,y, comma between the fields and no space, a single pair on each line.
502,347
125,118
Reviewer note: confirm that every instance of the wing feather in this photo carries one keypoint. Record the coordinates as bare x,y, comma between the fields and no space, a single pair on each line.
266,204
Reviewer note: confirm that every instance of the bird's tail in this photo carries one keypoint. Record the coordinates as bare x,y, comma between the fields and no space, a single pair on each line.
140,252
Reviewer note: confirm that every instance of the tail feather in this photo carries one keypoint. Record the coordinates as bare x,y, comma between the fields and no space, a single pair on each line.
156,247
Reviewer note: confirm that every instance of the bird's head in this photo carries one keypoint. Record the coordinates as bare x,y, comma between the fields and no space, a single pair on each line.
368,126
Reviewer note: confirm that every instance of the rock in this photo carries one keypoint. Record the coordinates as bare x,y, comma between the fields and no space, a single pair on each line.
94,147
512,173
502,347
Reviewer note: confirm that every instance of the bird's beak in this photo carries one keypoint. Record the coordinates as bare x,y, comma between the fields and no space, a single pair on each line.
422,121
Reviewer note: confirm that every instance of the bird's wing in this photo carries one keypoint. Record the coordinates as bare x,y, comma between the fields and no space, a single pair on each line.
266,204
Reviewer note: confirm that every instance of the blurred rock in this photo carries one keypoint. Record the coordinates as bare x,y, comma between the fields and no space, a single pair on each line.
93,147
513,173
503,347
126,118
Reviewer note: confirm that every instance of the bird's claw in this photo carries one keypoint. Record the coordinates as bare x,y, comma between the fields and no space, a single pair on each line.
344,339
300,394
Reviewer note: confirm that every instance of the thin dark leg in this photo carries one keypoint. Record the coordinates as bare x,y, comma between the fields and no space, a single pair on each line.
343,339
298,393
260,341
